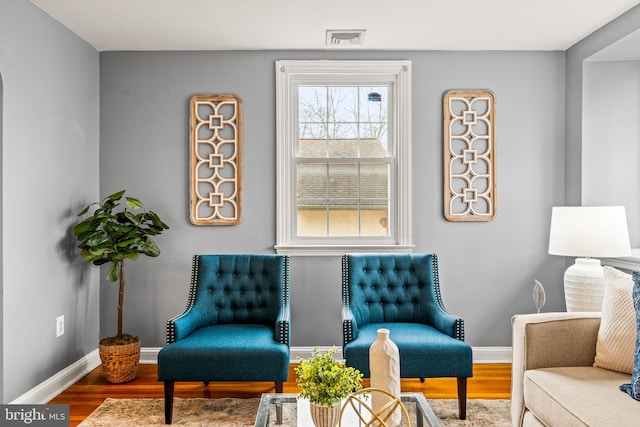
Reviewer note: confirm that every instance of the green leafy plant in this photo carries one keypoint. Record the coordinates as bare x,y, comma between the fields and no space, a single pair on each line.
325,381
114,233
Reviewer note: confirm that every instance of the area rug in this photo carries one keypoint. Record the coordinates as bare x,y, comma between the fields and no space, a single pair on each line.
241,413
481,413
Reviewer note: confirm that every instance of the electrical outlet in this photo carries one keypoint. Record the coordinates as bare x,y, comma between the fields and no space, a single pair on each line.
59,326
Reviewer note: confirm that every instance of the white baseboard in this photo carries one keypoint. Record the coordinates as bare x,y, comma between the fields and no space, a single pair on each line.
492,355
149,355
55,385
50,388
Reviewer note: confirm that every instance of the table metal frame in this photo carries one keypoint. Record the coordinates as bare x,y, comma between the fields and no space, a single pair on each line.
268,399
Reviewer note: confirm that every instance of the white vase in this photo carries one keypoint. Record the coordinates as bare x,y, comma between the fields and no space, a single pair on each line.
325,416
384,368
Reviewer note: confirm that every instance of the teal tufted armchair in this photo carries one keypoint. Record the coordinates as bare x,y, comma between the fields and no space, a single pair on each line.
401,292
235,326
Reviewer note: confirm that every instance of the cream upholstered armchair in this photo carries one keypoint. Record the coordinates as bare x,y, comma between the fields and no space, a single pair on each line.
554,381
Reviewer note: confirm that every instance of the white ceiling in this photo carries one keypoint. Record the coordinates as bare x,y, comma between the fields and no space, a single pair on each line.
301,24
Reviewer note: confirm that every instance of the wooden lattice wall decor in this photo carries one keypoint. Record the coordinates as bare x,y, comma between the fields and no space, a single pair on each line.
215,129
469,155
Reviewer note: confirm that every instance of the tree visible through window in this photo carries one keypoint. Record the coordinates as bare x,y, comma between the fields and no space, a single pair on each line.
342,161
343,152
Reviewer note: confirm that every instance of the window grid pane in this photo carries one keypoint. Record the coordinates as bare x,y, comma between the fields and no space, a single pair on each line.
349,197
343,199
351,120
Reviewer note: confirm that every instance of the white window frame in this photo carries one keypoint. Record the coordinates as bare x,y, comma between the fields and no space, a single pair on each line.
290,74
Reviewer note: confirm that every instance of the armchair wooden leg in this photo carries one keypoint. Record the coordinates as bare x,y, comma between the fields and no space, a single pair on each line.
168,401
279,388
462,398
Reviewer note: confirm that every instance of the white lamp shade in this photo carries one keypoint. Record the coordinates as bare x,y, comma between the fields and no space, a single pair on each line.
589,232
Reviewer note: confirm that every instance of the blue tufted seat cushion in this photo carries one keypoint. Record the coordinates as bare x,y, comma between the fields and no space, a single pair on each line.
424,351
216,353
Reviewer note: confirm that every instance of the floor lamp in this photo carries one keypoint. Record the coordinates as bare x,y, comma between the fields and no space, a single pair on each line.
587,233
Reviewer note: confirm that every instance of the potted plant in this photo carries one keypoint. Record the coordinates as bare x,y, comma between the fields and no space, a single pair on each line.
325,382
112,234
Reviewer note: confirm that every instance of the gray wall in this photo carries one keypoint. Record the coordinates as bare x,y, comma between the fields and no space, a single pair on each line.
574,115
611,140
487,269
50,168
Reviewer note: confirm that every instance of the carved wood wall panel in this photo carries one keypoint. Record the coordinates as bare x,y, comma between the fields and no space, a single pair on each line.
469,155
215,127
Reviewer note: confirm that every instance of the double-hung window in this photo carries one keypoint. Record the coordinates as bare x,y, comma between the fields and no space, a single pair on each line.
344,157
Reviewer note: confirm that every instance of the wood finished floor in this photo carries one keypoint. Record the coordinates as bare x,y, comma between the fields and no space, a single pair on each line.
490,381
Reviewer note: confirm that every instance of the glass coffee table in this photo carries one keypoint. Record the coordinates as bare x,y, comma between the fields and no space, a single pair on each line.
294,412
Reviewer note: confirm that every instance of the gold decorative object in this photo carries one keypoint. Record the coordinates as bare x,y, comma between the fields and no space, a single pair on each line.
360,401
215,129
469,155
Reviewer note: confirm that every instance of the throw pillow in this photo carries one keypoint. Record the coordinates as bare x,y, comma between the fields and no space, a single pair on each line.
617,334
634,388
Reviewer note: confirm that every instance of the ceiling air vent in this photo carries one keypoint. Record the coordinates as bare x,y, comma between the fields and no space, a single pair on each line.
345,37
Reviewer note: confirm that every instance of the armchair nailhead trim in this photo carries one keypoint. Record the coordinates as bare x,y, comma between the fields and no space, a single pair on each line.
347,325
436,290
460,329
171,331
436,281
171,325
284,324
286,284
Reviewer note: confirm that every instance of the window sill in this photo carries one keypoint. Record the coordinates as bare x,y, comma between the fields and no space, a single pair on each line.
339,250
626,263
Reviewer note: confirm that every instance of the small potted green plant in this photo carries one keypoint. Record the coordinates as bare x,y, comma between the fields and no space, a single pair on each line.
325,382
112,234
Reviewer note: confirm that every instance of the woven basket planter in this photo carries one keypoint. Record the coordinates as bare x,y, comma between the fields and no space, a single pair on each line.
120,362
